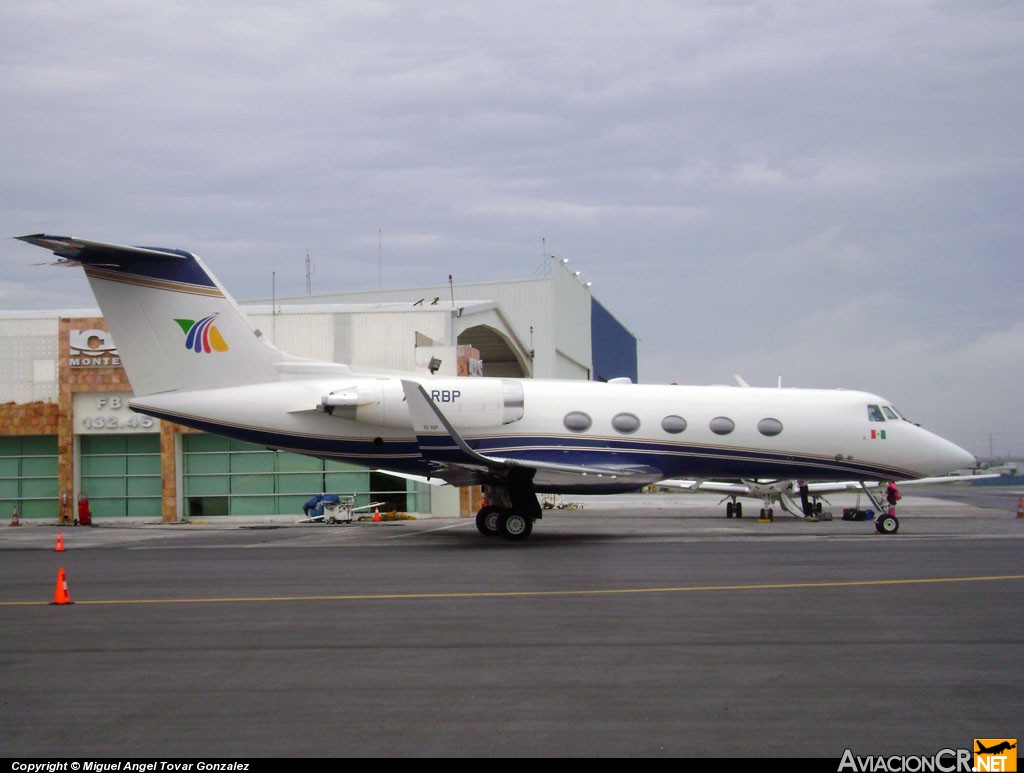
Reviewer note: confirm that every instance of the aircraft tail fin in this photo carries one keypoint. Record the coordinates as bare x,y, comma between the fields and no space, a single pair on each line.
174,325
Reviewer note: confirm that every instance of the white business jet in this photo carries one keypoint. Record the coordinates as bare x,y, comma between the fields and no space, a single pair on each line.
194,358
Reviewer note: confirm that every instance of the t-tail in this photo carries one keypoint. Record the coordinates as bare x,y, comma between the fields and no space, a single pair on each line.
174,325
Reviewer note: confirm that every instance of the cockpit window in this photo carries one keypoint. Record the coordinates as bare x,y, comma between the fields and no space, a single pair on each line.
896,411
875,413
890,413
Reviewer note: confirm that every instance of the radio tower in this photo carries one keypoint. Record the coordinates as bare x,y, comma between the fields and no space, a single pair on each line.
309,273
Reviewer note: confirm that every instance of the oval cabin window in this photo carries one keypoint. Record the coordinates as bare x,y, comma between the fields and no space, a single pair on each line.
673,424
722,425
626,422
769,427
577,421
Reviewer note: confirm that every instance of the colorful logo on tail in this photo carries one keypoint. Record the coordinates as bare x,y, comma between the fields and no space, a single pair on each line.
202,336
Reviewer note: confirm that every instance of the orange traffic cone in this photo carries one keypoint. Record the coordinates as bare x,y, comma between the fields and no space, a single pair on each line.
60,542
1020,507
60,595
376,513
14,517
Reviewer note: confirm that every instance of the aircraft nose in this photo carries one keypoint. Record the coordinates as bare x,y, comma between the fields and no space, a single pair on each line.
950,457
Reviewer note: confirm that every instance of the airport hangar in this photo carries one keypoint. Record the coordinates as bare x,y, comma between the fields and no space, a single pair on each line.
65,429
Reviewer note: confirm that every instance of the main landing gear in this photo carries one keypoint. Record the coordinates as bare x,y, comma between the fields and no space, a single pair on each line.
733,509
492,521
512,514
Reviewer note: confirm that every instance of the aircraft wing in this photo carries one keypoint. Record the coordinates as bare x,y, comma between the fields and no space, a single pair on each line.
853,485
716,486
817,489
458,463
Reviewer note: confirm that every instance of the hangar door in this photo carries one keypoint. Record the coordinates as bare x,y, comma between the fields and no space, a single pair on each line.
28,475
229,477
121,474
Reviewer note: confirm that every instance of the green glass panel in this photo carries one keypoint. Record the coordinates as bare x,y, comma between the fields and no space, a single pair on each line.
298,463
207,463
261,462
142,444
9,489
253,506
298,483
102,465
9,468
291,505
102,444
207,485
145,507
204,443
37,508
144,486
97,488
141,465
112,507
252,484
39,487
333,466
39,465
39,445
347,482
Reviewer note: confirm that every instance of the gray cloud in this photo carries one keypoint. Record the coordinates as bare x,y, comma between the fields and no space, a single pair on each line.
831,191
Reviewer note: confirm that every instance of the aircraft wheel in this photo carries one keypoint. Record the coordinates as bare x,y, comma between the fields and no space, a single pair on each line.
487,520
887,524
739,509
513,526
730,509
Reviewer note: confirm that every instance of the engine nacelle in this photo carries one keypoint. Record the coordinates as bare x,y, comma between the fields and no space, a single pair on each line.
468,403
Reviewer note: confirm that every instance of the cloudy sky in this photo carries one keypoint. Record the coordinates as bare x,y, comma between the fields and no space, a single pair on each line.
830,191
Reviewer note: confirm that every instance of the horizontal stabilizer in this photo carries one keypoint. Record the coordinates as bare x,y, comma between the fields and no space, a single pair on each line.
87,251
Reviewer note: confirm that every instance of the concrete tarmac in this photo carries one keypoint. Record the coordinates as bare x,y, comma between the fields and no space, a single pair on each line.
633,626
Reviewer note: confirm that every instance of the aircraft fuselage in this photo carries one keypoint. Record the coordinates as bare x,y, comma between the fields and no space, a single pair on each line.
696,431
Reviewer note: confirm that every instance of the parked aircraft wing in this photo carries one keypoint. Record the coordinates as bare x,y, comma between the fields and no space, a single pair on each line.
759,488
442,445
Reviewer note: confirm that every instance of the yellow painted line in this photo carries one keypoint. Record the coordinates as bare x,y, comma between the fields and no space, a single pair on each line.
535,594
